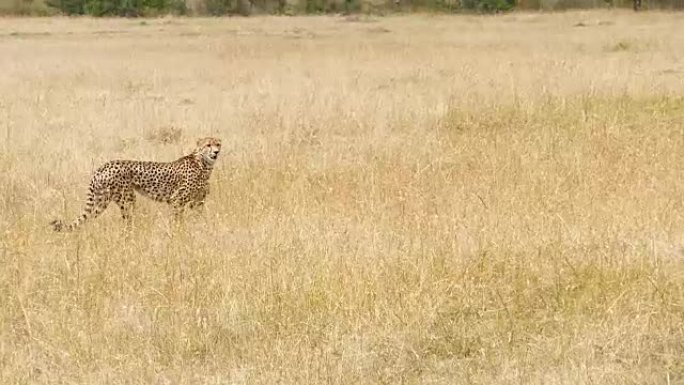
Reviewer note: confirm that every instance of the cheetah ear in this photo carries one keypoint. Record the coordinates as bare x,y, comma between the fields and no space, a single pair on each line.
200,142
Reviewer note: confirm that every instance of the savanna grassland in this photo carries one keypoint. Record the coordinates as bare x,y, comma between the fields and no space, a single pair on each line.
409,199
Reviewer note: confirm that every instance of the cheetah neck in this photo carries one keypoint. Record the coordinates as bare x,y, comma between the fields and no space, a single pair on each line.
207,166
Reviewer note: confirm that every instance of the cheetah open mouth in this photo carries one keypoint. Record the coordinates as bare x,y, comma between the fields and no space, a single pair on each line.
213,156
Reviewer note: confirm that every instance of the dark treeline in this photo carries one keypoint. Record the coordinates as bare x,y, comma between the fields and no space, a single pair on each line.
135,8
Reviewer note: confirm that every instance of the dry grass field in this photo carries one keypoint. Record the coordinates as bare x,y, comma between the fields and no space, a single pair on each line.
401,200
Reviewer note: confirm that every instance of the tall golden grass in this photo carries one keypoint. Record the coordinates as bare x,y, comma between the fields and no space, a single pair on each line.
418,199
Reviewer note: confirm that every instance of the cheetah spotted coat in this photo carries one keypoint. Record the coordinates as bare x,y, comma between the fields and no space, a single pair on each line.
183,182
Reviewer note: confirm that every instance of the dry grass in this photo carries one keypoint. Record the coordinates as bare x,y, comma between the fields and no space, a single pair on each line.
447,200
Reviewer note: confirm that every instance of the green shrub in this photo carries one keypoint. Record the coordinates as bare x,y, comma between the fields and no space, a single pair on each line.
218,7
488,6
68,7
25,7
127,8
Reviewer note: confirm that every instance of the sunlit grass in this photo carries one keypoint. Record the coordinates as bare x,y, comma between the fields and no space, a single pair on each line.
456,200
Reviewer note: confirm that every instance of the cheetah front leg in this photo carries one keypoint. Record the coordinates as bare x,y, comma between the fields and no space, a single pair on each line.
184,198
178,205
197,201
178,210
197,205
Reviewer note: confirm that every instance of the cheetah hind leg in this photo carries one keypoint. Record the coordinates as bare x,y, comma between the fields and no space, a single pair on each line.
96,203
126,203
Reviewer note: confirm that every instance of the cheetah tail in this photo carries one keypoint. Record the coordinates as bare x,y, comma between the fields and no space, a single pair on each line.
95,204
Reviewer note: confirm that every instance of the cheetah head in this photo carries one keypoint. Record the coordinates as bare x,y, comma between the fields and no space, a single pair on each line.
208,149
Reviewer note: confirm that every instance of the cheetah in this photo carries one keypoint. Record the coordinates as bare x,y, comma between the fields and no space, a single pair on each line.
182,182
